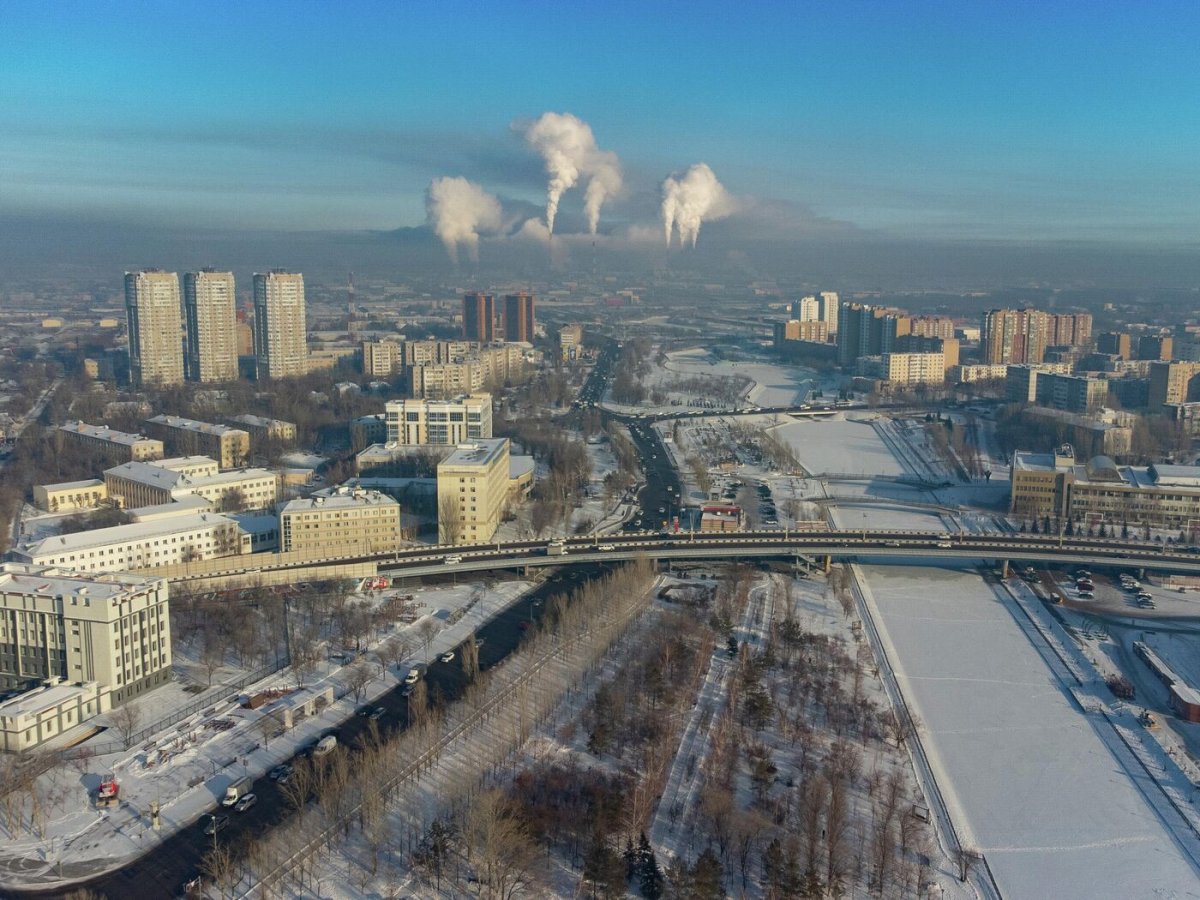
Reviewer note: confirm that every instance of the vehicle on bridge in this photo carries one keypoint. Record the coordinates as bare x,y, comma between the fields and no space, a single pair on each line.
556,548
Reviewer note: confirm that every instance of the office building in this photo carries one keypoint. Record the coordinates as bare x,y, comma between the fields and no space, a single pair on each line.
280,331
473,491
1013,336
519,321
137,484
570,342
442,422
112,446
155,328
140,545
94,642
1174,382
479,317
346,520
1052,484
868,331
208,306
230,447
70,496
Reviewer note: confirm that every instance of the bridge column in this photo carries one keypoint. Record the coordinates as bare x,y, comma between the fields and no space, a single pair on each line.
827,564
1004,569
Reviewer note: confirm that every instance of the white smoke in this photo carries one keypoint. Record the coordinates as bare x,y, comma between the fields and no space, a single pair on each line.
691,199
458,210
567,145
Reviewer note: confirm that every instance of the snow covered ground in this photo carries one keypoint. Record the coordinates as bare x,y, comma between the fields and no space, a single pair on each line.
1026,776
847,445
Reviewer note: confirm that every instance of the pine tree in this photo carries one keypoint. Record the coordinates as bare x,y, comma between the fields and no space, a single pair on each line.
633,859
707,877
650,877
773,867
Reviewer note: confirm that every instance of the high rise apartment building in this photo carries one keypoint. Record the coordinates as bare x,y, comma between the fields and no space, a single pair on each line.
208,306
933,326
479,317
280,330
1174,382
155,327
519,317
868,331
1013,336
1068,329
1115,343
813,308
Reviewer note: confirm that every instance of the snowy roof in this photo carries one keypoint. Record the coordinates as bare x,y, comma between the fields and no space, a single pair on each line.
477,453
74,485
185,505
341,499
1175,476
259,421
103,432
43,698
519,466
51,581
102,537
1188,695
193,425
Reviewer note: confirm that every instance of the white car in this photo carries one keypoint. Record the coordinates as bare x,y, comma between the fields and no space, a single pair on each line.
452,560
606,547
448,656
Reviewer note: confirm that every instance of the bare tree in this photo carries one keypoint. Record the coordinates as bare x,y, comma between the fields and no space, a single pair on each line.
500,845
220,867
297,789
427,630
357,680
126,719
392,653
470,658
449,520
269,726
966,858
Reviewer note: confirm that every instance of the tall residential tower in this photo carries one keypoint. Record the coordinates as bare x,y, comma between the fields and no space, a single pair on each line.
280,332
479,317
518,317
155,334
208,307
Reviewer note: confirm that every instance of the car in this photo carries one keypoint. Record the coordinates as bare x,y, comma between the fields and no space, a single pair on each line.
1086,595
245,803
448,656
280,772
452,560
662,509
377,713
364,711
413,676
215,824
606,547
406,690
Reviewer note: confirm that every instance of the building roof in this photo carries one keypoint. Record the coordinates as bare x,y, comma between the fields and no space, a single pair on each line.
482,452
103,432
74,485
1188,695
259,421
40,699
185,505
519,466
339,499
1175,476
194,425
102,537
37,580
157,476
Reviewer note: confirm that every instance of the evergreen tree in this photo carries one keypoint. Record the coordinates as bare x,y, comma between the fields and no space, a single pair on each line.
773,868
603,868
1046,525
632,859
650,877
1124,530
707,877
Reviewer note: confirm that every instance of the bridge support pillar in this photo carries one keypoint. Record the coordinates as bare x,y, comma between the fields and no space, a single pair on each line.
1004,569
827,564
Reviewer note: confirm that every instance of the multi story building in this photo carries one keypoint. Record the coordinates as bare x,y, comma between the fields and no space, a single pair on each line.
454,421
830,306
797,330
498,365
155,327
961,374
1046,386
923,343
263,429
868,331
208,306
479,317
933,327
429,353
140,545
70,496
96,642
519,321
1115,343
473,491
570,342
903,369
1068,329
814,308
1157,347
1053,484
136,484
112,446
1174,382
1013,336
356,520
280,332
230,447
367,430
380,358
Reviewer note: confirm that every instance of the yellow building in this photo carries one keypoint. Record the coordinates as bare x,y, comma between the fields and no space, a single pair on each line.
347,520
116,446
70,496
230,447
1174,382
473,491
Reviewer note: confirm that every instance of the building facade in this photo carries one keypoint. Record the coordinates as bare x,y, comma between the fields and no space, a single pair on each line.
136,484
263,429
230,447
454,421
1068,329
479,317
473,491
209,299
519,320
280,329
1013,336
113,446
1174,382
358,520
570,342
155,327
868,331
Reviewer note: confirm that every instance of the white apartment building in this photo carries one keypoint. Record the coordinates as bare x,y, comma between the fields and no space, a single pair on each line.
360,520
155,327
456,421
141,545
209,310
136,484
117,446
473,491
280,330
107,638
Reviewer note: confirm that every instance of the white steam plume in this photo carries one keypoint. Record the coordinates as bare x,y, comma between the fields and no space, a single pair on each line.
458,210
689,200
567,145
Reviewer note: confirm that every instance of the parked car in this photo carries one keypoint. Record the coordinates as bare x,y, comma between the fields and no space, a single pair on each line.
377,713
280,772
245,803
215,824
448,656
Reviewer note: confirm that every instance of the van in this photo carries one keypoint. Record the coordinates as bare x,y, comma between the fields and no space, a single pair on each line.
236,792
554,548
413,676
325,745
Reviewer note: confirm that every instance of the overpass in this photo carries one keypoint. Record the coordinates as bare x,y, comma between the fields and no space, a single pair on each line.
826,546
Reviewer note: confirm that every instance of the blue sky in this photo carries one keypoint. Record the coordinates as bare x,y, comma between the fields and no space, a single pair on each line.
1014,120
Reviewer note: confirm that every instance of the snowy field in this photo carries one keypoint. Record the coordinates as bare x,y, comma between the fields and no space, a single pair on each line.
832,445
774,385
1026,777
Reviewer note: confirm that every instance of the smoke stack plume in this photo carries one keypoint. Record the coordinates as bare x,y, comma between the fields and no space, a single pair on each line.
568,147
458,210
689,200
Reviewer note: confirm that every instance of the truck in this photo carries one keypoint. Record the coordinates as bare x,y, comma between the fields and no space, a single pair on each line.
236,792
109,792
556,548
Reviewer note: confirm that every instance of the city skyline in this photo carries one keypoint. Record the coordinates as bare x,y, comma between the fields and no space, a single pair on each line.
956,122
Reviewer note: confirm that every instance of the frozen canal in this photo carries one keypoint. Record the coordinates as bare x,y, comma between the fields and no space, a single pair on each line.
1027,779
839,445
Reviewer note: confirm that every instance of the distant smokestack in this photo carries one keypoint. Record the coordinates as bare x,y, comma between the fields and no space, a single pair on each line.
689,200
458,210
568,147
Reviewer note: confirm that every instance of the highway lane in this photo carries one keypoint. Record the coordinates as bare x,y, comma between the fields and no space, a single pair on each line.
165,871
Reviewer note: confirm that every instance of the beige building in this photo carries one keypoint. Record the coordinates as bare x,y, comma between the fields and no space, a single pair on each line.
70,496
1052,484
1174,382
230,447
368,430
136,484
262,429
570,342
141,545
208,306
155,327
1014,336
455,421
280,331
491,366
473,491
973,373
114,446
112,631
347,520
380,358
914,368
